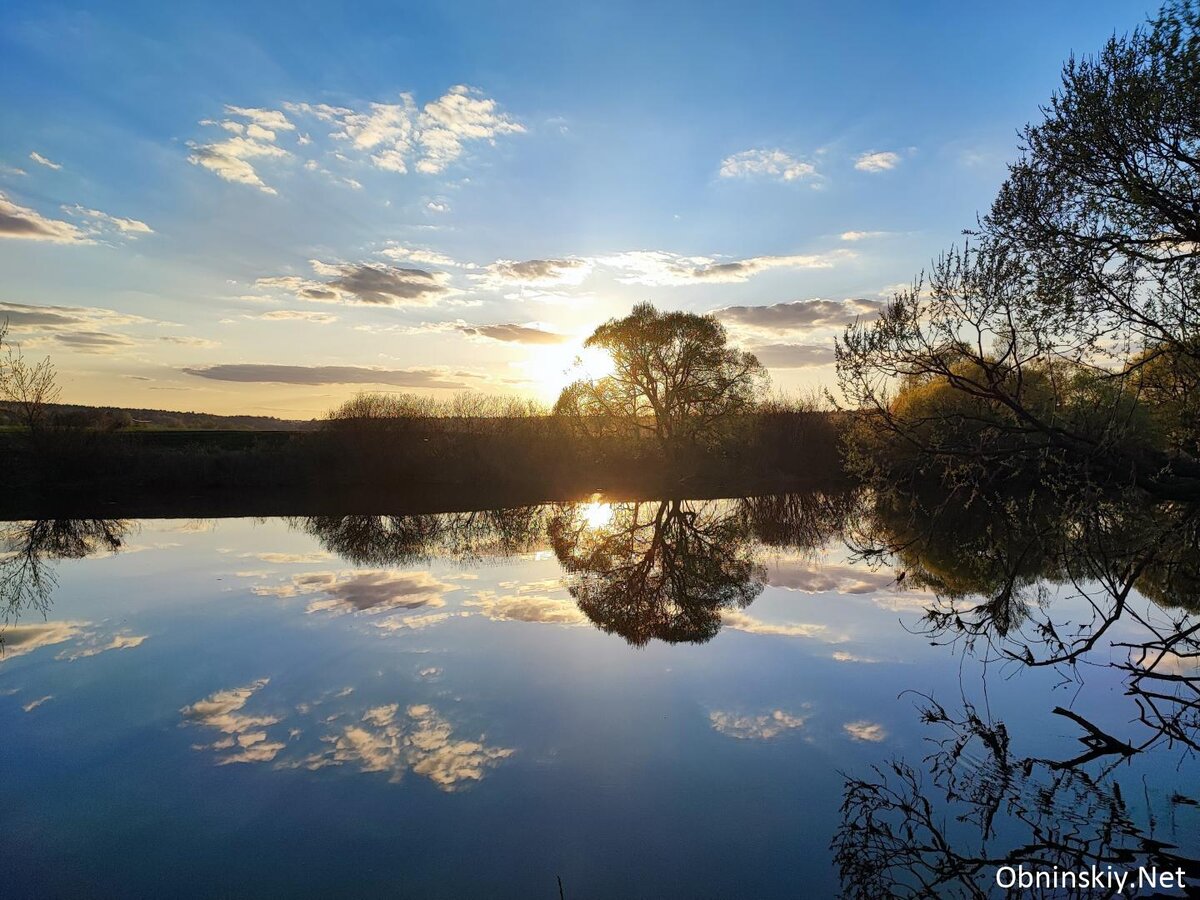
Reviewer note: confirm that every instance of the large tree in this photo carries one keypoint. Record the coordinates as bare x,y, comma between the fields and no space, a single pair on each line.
674,377
1066,333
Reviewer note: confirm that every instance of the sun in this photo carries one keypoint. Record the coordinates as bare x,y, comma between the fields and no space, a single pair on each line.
552,368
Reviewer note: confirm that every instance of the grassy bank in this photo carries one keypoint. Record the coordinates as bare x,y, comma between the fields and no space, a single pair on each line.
529,458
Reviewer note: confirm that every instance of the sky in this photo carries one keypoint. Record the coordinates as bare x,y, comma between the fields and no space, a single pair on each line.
230,208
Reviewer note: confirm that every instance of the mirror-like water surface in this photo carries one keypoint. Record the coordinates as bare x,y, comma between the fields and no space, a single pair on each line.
667,698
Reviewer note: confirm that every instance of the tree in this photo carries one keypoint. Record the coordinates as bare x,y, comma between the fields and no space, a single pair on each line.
30,388
1105,199
674,377
1029,345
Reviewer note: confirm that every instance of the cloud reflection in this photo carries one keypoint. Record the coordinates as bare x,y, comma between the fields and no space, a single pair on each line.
245,738
370,590
756,728
870,732
422,741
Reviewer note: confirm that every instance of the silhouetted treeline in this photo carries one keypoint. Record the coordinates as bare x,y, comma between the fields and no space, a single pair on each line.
394,455
114,418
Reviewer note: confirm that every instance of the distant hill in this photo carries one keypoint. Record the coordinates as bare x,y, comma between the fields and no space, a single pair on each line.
123,417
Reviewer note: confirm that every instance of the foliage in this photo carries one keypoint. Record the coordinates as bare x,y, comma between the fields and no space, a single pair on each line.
674,378
1065,336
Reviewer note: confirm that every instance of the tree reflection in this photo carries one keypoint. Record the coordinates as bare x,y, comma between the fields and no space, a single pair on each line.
27,580
662,569
1001,570
396,540
1066,581
658,569
905,836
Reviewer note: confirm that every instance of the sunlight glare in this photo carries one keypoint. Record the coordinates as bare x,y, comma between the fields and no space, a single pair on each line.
597,515
552,368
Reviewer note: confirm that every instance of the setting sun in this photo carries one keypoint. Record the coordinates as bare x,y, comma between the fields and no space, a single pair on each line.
550,369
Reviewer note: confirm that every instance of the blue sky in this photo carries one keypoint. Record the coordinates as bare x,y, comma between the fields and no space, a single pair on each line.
231,208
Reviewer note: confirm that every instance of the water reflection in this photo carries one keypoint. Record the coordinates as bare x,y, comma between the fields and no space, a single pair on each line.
998,568
999,573
670,570
28,549
1100,591
400,540
657,570
984,807
382,739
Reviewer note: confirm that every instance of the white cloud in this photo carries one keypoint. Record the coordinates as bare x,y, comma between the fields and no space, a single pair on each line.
661,268
399,137
103,222
767,163
423,256
376,591
296,315
877,161
414,623
21,639
229,159
34,704
122,641
461,114
422,742
528,608
186,341
742,621
271,119
861,235
363,590
42,161
811,577
847,656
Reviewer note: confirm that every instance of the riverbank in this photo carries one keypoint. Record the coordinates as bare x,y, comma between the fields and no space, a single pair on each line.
412,466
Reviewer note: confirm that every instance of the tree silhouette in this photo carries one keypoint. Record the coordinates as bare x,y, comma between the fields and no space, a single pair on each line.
997,567
1066,336
29,387
674,378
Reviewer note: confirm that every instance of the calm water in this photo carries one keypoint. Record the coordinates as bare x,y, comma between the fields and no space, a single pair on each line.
652,700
